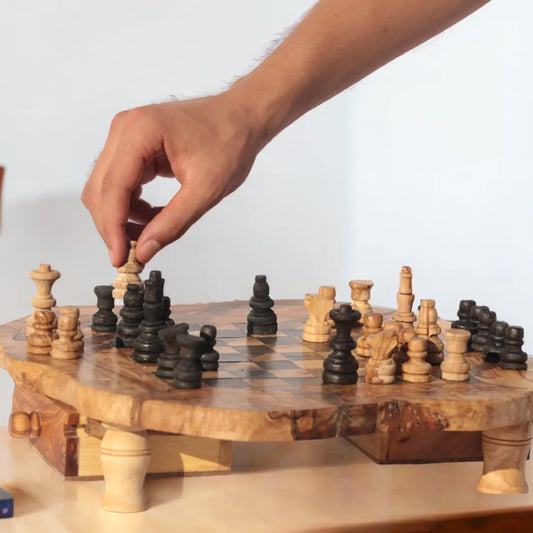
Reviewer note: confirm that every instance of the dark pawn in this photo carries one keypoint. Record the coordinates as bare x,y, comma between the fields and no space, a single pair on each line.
261,319
132,315
147,347
209,359
465,322
104,320
188,370
482,337
512,357
166,312
493,349
340,367
169,358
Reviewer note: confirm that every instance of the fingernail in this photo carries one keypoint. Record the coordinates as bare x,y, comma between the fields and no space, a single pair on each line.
150,248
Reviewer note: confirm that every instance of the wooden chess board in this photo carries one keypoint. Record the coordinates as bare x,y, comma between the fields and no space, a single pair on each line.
270,389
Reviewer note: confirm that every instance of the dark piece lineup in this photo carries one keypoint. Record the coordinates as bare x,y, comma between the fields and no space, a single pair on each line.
499,342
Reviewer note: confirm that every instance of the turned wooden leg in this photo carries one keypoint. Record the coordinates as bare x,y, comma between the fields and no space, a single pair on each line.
125,454
504,455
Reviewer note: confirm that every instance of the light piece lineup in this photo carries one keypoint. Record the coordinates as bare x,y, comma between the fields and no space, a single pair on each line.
406,347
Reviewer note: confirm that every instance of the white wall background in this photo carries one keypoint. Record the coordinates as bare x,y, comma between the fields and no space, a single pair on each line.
425,163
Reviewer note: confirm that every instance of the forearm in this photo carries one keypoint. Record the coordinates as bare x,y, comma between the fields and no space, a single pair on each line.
337,44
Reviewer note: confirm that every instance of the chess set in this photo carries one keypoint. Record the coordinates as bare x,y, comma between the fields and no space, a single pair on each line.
189,380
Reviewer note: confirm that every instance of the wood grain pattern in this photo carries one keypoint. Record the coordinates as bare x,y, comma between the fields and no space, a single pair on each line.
106,385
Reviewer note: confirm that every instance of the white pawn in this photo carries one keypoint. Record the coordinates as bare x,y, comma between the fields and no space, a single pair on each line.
128,273
416,369
66,346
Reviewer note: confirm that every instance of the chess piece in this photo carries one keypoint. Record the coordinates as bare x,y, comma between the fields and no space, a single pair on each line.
496,344
132,314
104,320
372,324
340,367
381,368
405,298
188,370
43,277
128,274
147,347
166,312
361,295
167,361
482,337
429,329
261,319
66,346
464,313
40,341
416,369
475,313
318,326
209,359
75,312
512,357
454,367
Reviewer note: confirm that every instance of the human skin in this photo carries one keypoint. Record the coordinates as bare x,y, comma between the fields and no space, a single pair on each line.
209,144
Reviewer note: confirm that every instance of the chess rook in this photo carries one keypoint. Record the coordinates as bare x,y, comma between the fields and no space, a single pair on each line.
210,357
340,367
104,320
261,319
188,370
167,361
454,367
512,357
132,314
360,293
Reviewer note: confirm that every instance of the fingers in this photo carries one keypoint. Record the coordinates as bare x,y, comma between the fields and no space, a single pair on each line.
185,208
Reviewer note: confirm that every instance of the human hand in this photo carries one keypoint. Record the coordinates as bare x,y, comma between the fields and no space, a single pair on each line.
208,144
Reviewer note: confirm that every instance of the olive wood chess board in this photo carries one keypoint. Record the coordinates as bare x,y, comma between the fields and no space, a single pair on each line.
270,389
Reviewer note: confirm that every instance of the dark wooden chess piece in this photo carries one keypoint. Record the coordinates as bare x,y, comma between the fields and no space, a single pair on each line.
492,350
261,319
167,361
512,357
209,359
188,370
132,315
482,337
166,312
340,367
465,317
147,347
104,320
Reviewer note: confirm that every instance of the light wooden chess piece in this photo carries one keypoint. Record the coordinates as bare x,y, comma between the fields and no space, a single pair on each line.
43,277
69,343
361,295
416,369
381,368
128,273
318,327
40,341
372,324
405,298
455,367
429,329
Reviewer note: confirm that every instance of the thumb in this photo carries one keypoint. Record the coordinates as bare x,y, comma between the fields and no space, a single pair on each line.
183,210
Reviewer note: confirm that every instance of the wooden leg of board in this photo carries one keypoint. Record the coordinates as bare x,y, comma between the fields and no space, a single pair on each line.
504,454
125,455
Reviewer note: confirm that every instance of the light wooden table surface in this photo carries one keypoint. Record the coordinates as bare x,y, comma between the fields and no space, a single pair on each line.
305,486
